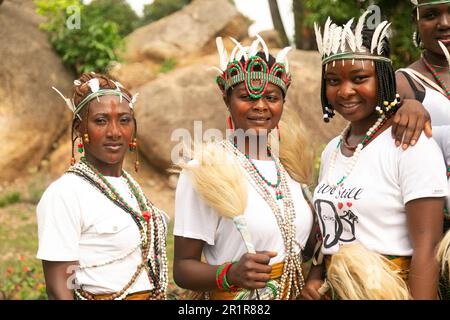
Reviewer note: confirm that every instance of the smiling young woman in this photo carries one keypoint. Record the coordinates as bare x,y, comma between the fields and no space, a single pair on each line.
262,258
379,206
100,237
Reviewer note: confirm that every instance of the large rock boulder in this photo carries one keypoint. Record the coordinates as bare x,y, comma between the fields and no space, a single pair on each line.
175,100
32,115
186,32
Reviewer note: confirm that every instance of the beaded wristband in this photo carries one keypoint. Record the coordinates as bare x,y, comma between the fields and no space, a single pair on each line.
221,277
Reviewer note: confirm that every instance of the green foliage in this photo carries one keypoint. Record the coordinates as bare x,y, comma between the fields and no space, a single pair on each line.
88,48
10,198
118,11
397,12
161,8
168,65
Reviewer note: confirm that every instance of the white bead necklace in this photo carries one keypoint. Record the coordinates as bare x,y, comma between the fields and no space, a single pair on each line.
352,161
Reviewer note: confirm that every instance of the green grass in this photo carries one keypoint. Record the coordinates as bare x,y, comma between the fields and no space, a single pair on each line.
10,198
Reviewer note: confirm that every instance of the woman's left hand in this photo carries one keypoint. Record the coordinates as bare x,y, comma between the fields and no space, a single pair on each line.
409,122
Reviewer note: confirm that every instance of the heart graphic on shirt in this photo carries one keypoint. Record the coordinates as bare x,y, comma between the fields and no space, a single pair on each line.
349,204
340,205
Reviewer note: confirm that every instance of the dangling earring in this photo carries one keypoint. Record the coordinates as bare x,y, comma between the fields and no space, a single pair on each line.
133,145
230,124
86,138
278,133
416,40
80,147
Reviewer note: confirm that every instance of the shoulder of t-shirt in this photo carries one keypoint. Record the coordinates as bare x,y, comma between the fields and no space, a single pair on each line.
66,184
330,146
423,147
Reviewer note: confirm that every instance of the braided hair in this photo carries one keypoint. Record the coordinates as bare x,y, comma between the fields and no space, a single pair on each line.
385,74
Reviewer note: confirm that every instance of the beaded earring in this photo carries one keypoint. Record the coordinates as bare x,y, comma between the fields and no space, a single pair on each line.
80,147
416,40
86,138
133,145
388,106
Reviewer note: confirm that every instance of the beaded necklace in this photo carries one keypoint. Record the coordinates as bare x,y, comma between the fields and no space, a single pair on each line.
292,281
152,233
368,137
436,76
276,186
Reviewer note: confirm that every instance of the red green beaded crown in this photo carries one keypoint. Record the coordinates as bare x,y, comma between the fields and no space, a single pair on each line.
255,72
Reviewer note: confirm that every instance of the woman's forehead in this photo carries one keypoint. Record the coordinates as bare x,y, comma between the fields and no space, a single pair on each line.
109,103
350,66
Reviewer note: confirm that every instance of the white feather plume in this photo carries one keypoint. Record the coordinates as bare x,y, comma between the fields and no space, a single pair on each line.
336,36
264,45
318,38
445,50
414,2
348,37
253,48
358,31
94,84
282,57
68,102
326,35
242,50
330,39
383,35
233,53
223,54
376,36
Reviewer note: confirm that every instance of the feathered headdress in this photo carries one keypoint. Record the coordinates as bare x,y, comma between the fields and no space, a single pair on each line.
96,91
341,43
254,72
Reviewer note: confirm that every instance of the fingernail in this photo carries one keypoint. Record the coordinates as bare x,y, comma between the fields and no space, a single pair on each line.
405,146
397,143
413,142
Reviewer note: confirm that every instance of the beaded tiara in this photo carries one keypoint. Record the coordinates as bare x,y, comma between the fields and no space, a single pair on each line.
341,43
254,72
94,86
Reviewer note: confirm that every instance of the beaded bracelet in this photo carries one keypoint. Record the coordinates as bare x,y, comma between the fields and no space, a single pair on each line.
221,277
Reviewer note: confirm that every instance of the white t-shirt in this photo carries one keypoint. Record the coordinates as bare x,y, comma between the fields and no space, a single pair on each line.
196,220
76,222
370,205
442,136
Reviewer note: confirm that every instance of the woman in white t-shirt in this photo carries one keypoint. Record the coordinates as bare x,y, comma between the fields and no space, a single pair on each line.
278,217
387,199
99,236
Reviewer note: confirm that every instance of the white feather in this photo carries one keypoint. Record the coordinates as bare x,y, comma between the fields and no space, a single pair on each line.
233,53
318,38
326,35
242,50
444,49
376,36
348,36
76,82
282,57
223,55
264,45
358,31
330,39
336,36
68,102
383,35
94,84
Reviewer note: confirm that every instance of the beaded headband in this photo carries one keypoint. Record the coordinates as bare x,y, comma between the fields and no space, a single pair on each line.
341,43
430,3
254,72
94,86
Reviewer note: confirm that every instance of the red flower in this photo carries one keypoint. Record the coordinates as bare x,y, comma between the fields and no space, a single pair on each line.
22,258
146,215
26,269
10,270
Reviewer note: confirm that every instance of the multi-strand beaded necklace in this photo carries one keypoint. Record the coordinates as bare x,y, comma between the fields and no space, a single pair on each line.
436,76
292,281
370,134
150,222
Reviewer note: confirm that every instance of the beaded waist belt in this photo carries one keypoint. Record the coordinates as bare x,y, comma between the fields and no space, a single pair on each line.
139,295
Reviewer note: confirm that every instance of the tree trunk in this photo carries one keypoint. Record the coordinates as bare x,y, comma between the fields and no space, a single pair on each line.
277,22
304,35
